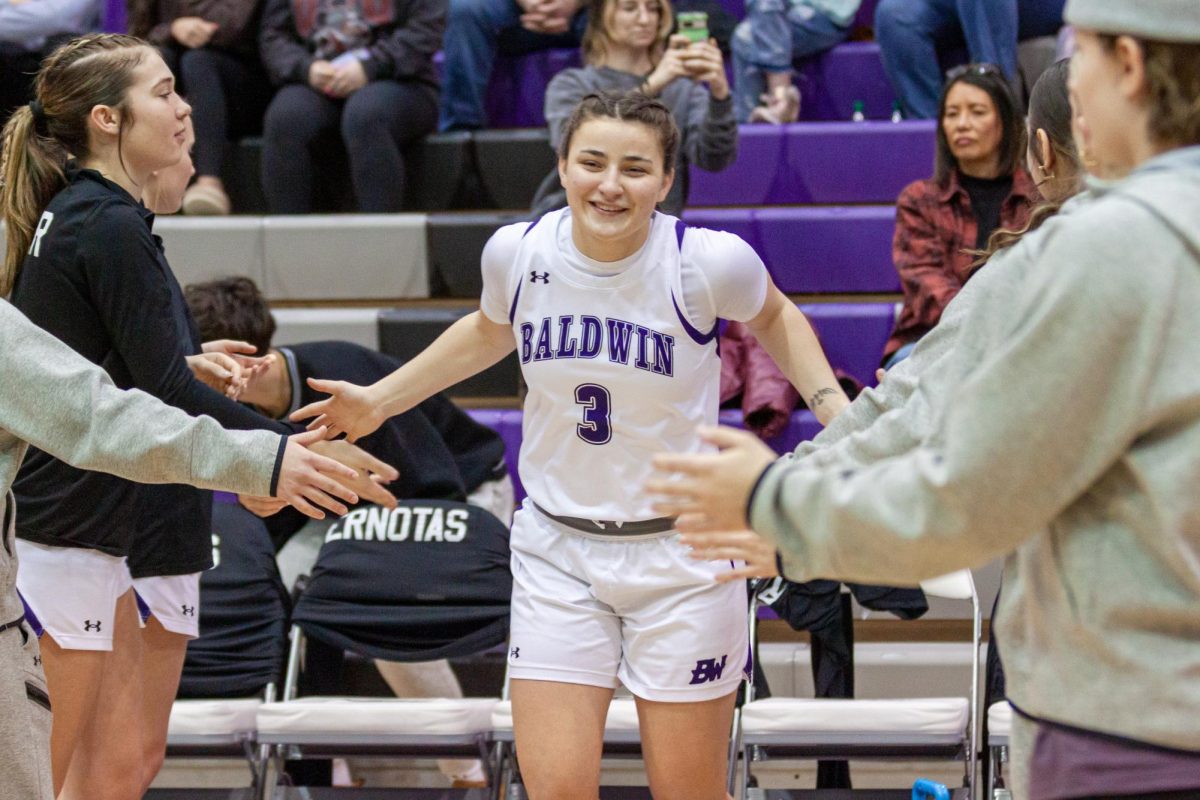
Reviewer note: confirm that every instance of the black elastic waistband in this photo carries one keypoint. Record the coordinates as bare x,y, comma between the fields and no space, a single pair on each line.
607,527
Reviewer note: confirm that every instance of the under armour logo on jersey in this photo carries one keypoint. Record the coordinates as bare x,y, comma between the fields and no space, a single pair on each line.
188,611
37,661
708,670
88,625
535,276
514,653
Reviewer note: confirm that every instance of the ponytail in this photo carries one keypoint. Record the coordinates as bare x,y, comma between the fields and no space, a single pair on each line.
31,173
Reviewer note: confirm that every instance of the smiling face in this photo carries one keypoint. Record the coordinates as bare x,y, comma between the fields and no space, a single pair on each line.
973,129
614,176
634,24
155,133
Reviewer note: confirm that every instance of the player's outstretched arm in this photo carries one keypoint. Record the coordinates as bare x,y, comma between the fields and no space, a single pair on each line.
55,399
468,346
789,339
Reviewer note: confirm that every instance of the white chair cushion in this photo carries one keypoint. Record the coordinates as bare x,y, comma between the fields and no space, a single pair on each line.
622,716
212,717
1000,719
355,715
941,715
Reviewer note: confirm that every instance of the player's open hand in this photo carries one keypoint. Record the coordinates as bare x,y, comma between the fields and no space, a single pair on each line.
372,473
746,546
310,481
710,491
350,409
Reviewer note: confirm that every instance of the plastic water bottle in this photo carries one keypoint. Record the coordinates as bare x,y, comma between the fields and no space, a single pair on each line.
859,114
897,114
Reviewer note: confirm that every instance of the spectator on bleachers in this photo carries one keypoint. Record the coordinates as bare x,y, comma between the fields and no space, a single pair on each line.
364,73
440,452
979,185
915,36
773,35
29,30
476,30
213,51
628,47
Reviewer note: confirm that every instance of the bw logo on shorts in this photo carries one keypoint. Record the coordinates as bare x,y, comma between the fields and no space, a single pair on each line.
708,670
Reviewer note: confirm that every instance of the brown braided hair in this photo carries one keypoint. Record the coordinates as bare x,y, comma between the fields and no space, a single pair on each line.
84,73
627,107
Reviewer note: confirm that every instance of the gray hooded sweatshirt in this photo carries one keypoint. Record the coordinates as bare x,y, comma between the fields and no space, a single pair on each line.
1072,439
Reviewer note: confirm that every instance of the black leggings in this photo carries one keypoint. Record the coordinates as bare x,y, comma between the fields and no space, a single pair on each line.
228,93
375,124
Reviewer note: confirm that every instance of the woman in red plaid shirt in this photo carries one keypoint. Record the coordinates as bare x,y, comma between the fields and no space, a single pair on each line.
979,186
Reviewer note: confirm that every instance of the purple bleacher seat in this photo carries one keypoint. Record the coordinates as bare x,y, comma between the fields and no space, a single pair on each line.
800,428
517,92
854,162
739,221
853,335
749,180
826,162
832,82
113,16
828,250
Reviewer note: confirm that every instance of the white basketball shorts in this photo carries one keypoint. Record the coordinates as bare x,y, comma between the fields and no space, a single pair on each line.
638,611
173,600
72,593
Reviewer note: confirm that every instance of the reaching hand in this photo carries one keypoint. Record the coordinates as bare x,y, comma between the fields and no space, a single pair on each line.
372,472
744,545
308,480
710,491
548,16
219,372
349,409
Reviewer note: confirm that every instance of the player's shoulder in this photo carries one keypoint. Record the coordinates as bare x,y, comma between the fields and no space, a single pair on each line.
503,245
705,246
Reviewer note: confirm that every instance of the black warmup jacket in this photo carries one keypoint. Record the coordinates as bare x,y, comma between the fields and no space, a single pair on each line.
96,278
441,453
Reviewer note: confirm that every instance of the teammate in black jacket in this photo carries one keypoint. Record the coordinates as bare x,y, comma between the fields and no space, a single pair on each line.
440,451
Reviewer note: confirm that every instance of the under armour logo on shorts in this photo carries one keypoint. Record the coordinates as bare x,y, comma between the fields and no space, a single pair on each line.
189,611
535,276
88,625
514,653
708,670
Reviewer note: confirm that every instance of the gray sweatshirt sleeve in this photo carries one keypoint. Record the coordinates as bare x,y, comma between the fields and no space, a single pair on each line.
710,132
31,22
62,403
1054,400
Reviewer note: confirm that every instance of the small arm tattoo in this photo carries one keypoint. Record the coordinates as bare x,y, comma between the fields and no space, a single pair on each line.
819,396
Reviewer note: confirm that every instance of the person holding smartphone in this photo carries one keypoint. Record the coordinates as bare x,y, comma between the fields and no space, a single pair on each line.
628,46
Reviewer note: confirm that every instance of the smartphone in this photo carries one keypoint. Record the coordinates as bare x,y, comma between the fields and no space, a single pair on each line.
693,25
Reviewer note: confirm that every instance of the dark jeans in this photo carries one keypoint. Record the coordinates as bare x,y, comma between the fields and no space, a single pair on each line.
229,93
475,31
912,33
375,124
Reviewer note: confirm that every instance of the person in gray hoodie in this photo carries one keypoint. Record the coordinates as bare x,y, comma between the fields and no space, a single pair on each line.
1071,445
56,400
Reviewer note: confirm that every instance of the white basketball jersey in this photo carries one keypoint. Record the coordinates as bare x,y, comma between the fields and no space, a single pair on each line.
615,370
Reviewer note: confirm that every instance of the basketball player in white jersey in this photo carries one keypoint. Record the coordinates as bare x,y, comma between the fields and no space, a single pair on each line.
613,309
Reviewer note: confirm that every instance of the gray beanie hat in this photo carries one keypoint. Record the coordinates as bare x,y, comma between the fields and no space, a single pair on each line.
1160,20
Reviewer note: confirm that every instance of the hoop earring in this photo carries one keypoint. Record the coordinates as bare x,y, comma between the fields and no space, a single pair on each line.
1046,177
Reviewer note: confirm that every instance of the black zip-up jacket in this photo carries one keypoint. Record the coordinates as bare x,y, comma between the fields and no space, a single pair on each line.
97,279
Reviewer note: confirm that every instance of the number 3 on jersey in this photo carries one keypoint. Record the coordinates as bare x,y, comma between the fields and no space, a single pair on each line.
596,427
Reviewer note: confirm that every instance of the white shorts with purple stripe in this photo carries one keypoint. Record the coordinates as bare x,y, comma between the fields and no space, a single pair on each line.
634,610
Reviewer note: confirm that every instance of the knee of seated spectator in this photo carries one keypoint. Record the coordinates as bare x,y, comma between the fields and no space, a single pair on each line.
197,62
474,11
291,116
892,14
365,119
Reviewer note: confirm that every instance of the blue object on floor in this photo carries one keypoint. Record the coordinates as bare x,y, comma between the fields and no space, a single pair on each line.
925,789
